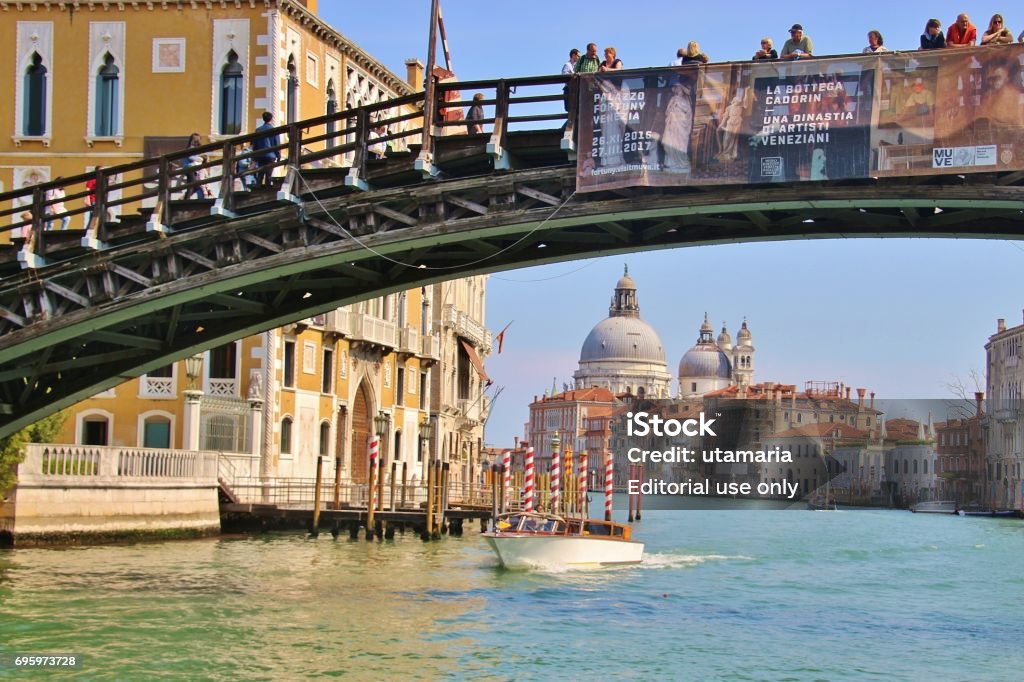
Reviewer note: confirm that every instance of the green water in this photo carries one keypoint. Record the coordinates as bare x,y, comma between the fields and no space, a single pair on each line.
737,595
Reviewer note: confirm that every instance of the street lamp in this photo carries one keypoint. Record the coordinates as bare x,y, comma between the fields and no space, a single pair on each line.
193,368
380,423
556,442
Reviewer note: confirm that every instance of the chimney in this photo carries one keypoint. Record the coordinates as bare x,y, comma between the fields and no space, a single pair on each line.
848,389
872,400
515,439
414,74
978,397
1000,325
860,398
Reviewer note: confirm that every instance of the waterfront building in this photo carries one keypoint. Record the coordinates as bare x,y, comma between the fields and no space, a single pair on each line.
134,81
1004,381
960,445
580,418
107,82
811,448
622,353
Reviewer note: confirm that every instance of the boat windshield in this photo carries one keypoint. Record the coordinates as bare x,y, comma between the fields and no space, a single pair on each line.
534,524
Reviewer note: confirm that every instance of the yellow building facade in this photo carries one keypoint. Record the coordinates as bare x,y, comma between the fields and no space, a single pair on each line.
104,83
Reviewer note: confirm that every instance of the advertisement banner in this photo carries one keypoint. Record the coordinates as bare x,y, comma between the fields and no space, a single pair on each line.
894,114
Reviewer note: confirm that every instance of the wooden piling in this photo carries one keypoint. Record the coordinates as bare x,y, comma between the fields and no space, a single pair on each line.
629,495
394,478
337,483
405,485
314,528
428,532
494,499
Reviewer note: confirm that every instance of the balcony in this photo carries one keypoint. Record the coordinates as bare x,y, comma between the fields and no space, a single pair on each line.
468,328
372,330
156,387
474,410
1006,414
409,340
337,322
222,387
431,347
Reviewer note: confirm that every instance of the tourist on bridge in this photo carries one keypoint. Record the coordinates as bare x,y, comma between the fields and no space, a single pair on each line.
199,174
767,53
962,33
588,63
799,46
997,33
376,145
933,38
266,155
610,63
570,66
476,114
875,43
56,207
693,54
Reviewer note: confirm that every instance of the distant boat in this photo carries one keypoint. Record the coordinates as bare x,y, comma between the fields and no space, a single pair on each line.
936,507
821,505
536,540
1004,514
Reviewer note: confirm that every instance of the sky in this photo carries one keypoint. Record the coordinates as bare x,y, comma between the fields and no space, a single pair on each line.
904,318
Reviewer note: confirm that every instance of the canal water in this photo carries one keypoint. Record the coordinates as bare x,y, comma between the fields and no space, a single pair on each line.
731,595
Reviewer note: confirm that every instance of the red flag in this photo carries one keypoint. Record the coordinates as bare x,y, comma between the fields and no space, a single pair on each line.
501,336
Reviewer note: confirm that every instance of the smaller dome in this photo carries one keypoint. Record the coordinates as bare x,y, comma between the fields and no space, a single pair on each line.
743,334
724,340
705,361
625,282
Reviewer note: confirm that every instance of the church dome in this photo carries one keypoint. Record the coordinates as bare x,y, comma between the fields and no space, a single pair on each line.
705,361
623,338
625,282
743,336
724,340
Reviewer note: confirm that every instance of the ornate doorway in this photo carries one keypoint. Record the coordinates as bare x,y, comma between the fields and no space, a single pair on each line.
362,426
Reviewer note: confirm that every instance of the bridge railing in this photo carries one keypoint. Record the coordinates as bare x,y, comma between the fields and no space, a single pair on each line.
100,205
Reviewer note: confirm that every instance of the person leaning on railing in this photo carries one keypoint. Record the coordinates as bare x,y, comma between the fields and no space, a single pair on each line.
933,38
588,63
997,33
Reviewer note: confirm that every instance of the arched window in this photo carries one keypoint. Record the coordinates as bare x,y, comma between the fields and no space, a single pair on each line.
293,90
34,122
231,101
156,432
332,108
397,450
325,438
94,428
286,436
107,97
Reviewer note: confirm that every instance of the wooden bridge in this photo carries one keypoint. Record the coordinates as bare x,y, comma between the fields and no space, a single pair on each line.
154,276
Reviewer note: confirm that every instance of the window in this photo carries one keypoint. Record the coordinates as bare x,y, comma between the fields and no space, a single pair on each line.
286,436
34,121
289,364
222,362
327,379
95,431
400,388
423,390
156,432
231,101
325,438
291,103
693,387
107,94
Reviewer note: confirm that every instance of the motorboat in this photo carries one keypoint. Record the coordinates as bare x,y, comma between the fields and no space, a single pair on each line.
936,507
539,540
